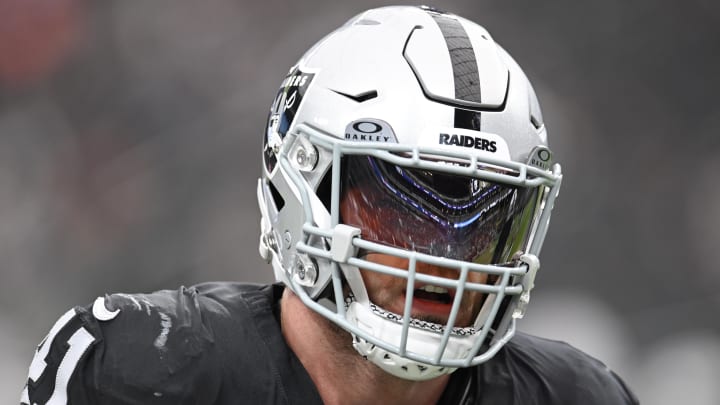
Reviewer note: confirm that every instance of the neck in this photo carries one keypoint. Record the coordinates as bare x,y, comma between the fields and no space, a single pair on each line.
340,374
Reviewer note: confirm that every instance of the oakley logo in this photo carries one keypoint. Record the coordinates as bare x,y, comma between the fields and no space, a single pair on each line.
468,142
367,127
544,155
541,157
369,130
367,137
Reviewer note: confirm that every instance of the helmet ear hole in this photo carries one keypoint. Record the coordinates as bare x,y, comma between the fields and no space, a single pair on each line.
535,121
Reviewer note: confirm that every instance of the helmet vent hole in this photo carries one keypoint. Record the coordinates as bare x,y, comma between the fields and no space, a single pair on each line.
360,97
277,198
324,191
367,21
536,123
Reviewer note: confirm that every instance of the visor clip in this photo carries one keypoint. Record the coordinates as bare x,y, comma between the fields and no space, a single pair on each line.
342,248
528,282
533,264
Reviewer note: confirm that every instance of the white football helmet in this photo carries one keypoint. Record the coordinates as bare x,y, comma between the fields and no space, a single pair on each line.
407,148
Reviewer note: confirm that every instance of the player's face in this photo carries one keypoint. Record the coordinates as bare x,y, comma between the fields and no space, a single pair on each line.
389,292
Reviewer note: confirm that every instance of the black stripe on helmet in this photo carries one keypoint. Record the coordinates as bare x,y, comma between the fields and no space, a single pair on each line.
465,69
462,57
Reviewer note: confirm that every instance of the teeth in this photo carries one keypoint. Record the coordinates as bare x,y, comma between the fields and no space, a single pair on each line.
434,289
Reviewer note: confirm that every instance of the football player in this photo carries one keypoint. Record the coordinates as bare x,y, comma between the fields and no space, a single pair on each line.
406,190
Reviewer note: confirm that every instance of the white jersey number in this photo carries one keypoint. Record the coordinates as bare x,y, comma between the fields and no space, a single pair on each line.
78,343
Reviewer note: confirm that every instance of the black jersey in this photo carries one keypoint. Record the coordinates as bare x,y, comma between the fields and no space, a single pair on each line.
221,344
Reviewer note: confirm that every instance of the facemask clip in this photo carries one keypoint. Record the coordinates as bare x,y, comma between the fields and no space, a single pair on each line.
342,248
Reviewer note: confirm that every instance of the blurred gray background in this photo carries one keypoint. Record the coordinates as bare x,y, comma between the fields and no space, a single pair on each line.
130,138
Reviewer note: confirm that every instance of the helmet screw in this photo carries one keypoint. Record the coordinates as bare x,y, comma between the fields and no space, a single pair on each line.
304,155
270,241
287,238
305,271
301,157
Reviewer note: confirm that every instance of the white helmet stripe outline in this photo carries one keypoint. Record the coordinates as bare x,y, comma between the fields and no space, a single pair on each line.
473,75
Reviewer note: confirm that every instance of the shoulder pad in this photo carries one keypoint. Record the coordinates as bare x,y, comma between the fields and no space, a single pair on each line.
125,346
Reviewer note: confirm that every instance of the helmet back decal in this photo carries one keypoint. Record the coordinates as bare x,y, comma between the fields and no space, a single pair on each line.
283,111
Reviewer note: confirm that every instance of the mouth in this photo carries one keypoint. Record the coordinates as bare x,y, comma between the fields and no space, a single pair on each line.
433,293
432,303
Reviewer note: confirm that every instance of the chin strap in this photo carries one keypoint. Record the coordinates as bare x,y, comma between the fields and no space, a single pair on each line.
390,362
420,342
396,365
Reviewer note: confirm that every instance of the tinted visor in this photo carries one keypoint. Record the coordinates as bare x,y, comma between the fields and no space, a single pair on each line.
436,213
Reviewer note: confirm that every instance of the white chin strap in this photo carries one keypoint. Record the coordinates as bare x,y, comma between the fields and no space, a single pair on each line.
420,343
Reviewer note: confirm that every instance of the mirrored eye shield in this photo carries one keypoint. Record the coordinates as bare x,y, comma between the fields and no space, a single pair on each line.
396,225
433,212
449,200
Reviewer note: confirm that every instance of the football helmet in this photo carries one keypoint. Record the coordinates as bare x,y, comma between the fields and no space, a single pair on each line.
406,188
